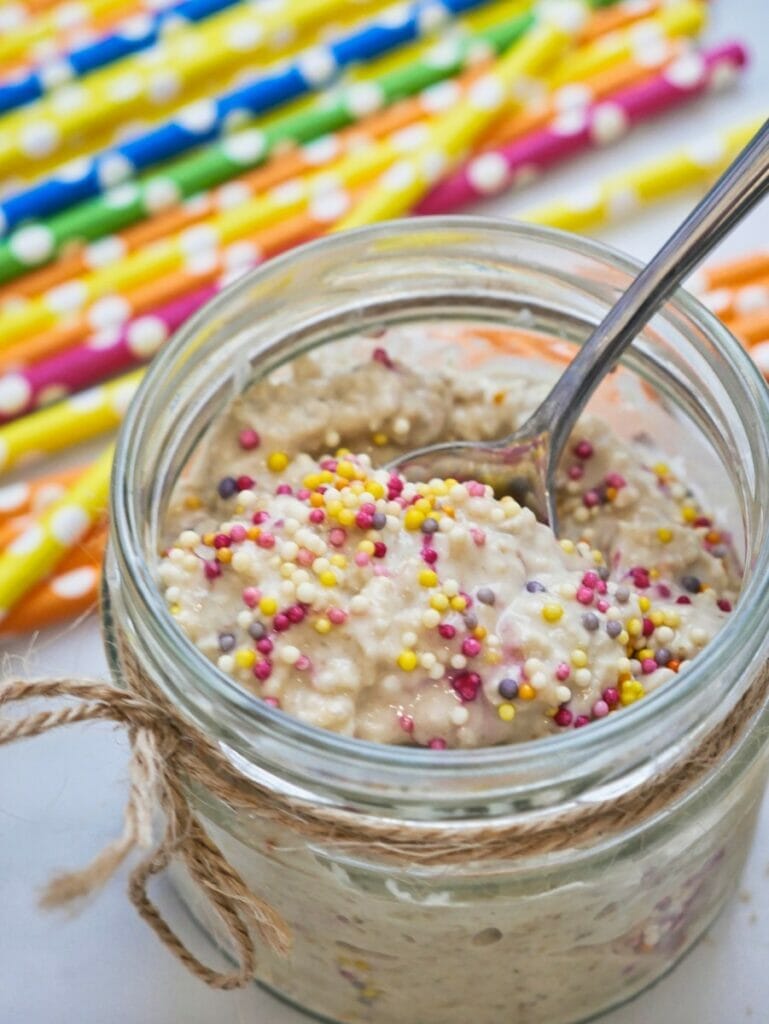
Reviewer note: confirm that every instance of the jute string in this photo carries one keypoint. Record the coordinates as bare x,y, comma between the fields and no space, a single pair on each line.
169,753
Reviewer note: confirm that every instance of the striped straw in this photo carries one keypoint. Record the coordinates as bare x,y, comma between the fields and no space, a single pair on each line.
136,33
206,119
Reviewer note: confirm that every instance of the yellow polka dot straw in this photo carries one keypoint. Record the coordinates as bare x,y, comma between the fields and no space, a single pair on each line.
21,42
79,418
36,552
156,80
453,135
624,193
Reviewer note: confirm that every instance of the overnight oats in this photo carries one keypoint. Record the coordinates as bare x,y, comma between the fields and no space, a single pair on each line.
433,613
483,772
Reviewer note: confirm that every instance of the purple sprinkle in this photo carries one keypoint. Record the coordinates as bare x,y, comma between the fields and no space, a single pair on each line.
227,486
590,621
535,587
613,628
622,595
430,525
662,656
226,642
256,630
486,595
379,521
508,689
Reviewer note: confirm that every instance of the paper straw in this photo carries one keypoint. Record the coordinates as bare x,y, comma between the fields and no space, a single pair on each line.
495,170
121,206
730,273
38,550
30,497
133,35
66,424
622,194
207,119
750,328
19,42
749,297
397,190
72,591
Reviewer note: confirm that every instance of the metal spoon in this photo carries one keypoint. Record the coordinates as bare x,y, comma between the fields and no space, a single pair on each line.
524,462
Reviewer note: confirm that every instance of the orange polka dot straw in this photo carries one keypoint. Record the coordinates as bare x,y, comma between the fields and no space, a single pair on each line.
30,497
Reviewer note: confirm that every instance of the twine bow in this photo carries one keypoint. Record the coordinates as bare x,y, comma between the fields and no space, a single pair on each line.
160,761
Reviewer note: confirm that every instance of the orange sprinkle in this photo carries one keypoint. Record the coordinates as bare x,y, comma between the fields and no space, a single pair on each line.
499,397
673,665
192,501
224,555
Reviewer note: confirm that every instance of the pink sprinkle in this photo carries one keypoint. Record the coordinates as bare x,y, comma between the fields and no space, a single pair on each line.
329,464
303,663
406,722
284,489
238,533
615,480
724,605
364,521
611,696
585,595
337,616
683,599
648,627
266,540
600,709
305,557
663,590
395,483
212,570
303,494
467,685
583,449
576,472
581,720
381,355
602,605
430,555
601,587
317,515
447,631
337,536
562,672
702,521
475,489
281,622
362,559
251,596
262,670
563,717
437,744
648,665
478,535
264,646
272,702
590,499
245,482
368,507
248,439
259,517
591,579
471,647
222,540
295,613
380,549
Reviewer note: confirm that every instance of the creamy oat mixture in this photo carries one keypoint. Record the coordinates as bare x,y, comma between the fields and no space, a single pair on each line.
433,614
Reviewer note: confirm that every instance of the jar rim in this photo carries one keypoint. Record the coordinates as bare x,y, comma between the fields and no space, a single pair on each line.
749,618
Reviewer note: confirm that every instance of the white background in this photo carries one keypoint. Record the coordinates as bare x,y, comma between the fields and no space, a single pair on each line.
61,796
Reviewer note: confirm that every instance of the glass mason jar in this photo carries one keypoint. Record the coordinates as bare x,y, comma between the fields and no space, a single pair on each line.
543,938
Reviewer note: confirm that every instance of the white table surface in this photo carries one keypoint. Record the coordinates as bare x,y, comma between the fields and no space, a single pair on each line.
61,796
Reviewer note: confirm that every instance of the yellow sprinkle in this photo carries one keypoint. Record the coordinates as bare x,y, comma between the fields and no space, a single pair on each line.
379,439
192,501
645,652
322,625
439,602
631,691
424,505
413,518
672,619
327,578
657,618
346,470
311,481
175,609
578,658
439,488
654,574
623,638
552,612
506,712
244,658
375,489
346,517
688,513
367,546
326,476
526,691
661,468
334,507
427,578
339,561
492,657
634,627
407,660
458,603
567,546
644,604
268,606
498,397
277,461
597,557
665,534
341,452
356,487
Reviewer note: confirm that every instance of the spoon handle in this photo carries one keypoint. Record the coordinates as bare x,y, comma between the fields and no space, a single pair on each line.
741,186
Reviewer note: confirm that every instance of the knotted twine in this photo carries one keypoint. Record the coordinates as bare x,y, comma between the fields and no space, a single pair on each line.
168,753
